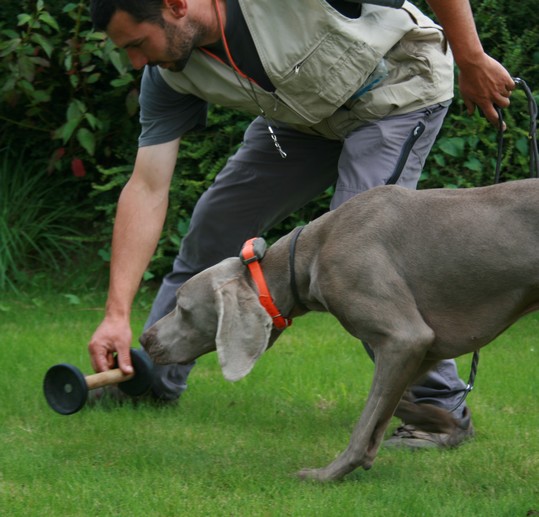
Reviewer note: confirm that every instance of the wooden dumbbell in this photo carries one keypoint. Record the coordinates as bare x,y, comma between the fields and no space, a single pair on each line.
66,388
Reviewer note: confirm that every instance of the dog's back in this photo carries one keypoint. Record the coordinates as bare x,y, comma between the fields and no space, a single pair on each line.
468,259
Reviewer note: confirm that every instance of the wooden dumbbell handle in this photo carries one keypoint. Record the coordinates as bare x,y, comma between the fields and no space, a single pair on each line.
98,380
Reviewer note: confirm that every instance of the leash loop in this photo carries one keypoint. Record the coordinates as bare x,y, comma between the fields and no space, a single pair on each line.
471,381
534,173
532,133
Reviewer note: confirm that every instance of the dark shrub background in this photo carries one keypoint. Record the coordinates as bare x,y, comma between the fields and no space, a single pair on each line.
68,106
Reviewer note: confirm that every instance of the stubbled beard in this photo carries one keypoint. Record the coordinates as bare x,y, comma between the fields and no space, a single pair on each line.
179,46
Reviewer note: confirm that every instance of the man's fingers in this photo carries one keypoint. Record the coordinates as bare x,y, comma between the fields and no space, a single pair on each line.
102,362
101,359
124,361
470,106
488,109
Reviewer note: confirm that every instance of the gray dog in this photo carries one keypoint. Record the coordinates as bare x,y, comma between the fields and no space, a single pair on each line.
419,275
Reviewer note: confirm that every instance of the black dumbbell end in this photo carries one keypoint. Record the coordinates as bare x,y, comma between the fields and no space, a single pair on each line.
142,380
65,389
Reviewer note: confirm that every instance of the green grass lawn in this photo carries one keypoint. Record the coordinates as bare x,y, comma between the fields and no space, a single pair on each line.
232,449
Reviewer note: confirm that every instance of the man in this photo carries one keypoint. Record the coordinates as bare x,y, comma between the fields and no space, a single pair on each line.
343,93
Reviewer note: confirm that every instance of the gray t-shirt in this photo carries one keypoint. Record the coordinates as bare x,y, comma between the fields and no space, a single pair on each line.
166,114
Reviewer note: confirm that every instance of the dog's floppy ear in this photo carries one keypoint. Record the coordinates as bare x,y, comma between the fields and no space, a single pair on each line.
244,328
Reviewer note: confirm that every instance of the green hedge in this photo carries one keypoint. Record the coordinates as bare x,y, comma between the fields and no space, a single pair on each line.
466,150
68,106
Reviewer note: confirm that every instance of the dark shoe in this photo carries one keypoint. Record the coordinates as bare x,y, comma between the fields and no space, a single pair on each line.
414,438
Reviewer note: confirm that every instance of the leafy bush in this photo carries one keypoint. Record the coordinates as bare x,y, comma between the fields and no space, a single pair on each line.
466,150
67,102
203,154
68,106
66,87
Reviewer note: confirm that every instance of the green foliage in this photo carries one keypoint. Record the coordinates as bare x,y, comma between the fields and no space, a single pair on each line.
68,105
38,230
466,150
67,102
203,154
66,87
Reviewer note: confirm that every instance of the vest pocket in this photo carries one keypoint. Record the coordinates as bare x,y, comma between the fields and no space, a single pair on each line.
323,81
350,72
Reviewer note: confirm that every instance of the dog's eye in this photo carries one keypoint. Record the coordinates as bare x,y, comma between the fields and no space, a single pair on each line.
183,310
183,304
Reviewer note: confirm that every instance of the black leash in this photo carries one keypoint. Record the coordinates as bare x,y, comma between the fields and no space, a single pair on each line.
291,260
471,381
532,133
534,173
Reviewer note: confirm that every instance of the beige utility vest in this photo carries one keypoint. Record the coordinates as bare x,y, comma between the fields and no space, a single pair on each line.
317,59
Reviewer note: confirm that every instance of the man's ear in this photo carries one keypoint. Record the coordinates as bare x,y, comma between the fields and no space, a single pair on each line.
177,8
243,331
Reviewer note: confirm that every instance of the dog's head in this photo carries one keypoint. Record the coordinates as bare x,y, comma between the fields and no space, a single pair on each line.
216,310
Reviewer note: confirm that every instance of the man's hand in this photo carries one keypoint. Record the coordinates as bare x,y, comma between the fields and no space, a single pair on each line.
112,336
485,83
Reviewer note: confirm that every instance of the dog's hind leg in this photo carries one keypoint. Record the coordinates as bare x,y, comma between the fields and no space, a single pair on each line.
398,363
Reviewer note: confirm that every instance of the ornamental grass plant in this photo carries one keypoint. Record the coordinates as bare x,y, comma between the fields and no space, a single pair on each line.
38,229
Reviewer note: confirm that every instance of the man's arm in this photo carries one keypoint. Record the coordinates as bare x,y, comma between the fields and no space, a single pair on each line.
139,221
483,81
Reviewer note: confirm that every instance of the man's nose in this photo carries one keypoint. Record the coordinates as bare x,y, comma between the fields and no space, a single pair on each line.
137,58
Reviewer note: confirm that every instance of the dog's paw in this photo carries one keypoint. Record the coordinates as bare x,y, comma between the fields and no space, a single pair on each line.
320,475
309,474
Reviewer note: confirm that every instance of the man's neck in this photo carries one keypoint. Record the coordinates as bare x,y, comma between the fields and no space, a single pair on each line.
212,14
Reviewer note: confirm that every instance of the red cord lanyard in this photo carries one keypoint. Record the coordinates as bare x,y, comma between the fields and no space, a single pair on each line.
239,74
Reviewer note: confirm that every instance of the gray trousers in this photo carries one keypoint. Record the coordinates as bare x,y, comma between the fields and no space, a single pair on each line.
257,189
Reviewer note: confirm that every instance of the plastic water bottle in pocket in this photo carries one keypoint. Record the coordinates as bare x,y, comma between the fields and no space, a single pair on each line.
375,78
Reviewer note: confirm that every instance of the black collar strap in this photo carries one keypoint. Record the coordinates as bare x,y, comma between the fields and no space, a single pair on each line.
291,258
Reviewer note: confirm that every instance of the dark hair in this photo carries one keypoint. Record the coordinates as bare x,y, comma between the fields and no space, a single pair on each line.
141,10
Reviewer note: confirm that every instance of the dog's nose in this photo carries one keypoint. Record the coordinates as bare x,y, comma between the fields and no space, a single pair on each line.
148,339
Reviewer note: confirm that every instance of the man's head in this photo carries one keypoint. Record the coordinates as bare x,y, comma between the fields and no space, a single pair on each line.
153,32
102,11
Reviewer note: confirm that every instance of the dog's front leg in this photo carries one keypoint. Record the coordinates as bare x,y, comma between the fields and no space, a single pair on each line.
361,450
395,368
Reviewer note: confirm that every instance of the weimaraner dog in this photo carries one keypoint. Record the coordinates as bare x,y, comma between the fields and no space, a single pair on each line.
418,275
